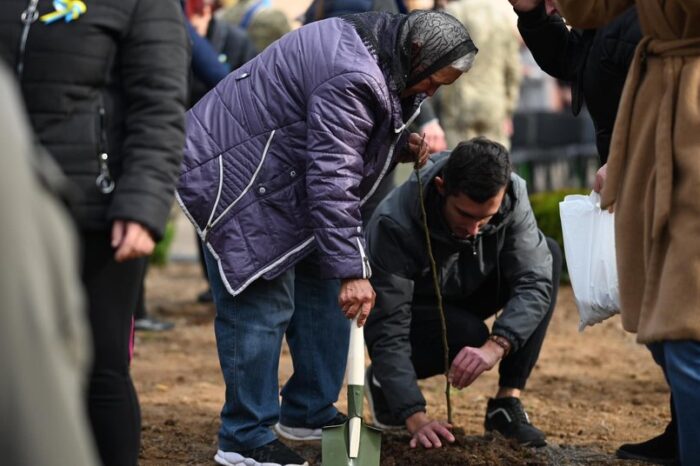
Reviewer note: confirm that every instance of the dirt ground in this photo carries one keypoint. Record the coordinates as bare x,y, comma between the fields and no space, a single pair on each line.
589,392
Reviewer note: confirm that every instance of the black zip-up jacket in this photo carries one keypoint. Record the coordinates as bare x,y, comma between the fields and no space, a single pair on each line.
511,246
113,81
595,61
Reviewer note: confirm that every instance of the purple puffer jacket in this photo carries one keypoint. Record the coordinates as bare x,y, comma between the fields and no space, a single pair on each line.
282,153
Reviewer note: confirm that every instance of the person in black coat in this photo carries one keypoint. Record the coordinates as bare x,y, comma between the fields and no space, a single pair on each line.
596,62
105,86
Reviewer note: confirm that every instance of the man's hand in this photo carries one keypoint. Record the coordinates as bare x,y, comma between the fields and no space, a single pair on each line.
524,5
434,136
131,240
356,297
417,150
427,432
471,362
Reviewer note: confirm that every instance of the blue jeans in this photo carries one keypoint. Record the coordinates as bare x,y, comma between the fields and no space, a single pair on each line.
249,329
680,361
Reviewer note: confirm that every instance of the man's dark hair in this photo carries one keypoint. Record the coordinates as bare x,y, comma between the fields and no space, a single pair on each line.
478,168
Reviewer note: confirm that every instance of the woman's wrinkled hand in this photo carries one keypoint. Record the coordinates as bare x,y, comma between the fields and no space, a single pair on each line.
416,152
356,298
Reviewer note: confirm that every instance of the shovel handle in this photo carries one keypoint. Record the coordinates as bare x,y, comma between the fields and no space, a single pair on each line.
356,355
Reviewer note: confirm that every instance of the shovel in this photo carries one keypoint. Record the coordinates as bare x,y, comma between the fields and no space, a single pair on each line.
352,443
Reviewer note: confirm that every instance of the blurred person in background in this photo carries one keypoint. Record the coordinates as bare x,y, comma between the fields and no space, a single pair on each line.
539,91
44,342
483,105
263,22
232,44
277,167
653,183
105,87
594,61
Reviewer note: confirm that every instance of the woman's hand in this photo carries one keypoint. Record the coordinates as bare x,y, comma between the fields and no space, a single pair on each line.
600,176
417,151
356,298
130,240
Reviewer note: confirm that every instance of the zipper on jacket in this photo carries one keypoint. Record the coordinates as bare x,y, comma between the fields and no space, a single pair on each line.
104,180
472,243
28,16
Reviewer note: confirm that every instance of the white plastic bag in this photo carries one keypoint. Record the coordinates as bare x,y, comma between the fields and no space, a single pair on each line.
589,245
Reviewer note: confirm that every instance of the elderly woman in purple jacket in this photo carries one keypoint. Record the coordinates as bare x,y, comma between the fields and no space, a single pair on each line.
280,157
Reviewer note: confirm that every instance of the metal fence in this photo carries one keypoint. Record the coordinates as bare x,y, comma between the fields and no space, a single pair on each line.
554,151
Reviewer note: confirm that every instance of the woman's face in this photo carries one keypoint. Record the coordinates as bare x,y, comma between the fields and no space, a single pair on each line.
432,83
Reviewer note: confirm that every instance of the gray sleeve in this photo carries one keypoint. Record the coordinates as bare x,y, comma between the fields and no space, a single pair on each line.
43,341
526,264
388,328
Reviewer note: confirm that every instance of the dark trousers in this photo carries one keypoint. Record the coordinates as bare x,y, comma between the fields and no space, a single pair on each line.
140,310
112,292
466,327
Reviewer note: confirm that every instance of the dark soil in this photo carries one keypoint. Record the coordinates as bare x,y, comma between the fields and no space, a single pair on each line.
590,392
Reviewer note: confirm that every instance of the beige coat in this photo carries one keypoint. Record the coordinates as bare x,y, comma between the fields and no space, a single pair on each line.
654,168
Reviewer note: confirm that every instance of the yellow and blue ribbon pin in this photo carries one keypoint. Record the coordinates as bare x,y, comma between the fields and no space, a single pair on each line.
69,10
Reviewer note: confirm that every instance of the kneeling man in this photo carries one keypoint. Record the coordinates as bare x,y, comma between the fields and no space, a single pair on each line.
490,256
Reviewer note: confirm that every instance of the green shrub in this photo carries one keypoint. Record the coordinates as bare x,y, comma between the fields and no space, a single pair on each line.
162,250
546,209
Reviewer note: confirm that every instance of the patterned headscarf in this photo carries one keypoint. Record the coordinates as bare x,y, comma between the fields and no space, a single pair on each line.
414,46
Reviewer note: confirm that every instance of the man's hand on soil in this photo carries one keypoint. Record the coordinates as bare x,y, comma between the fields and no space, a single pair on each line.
427,432
471,362
356,298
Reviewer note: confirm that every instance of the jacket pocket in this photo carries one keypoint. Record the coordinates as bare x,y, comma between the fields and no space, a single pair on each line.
215,219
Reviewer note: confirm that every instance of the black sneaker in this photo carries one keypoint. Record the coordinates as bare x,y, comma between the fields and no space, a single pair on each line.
662,449
151,324
308,433
508,417
378,406
274,453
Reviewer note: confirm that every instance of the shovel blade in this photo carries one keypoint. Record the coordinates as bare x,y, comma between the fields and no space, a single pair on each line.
335,446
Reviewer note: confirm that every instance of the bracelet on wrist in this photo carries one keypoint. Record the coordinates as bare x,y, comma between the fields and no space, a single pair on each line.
502,342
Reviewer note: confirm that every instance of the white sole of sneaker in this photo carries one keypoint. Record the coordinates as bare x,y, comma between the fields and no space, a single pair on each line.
299,434
234,459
